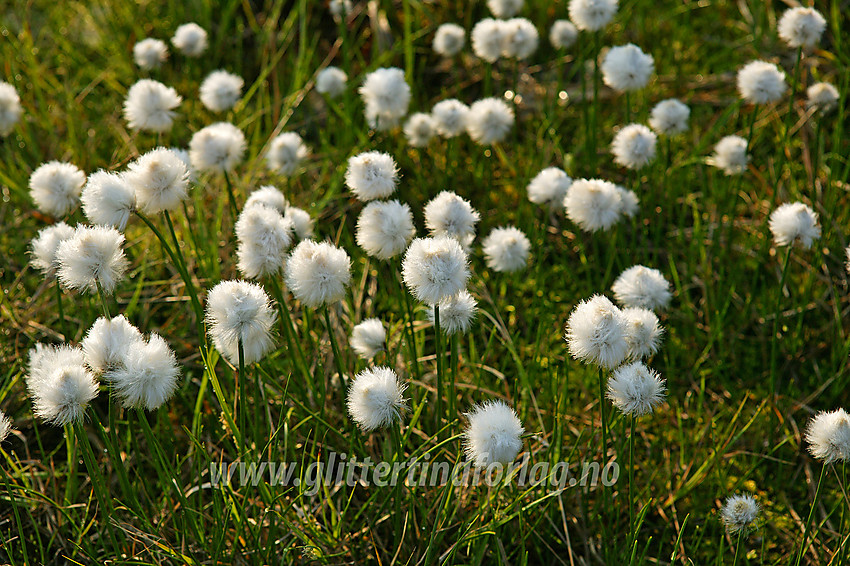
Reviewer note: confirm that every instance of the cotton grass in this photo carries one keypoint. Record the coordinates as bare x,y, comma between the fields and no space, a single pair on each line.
55,187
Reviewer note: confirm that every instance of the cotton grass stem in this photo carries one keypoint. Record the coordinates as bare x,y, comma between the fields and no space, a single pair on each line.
604,450
103,304
289,329
811,516
335,347
439,355
63,323
234,210
738,547
632,527
777,311
243,396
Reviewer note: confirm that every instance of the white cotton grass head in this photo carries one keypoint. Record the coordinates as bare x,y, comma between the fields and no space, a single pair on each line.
150,105
505,8
268,196
371,175
159,179
794,222
435,268
239,310
92,256
457,313
593,204
217,148
55,187
642,287
823,97
108,342
318,273
301,221
450,117
447,214
59,383
331,81
563,34
150,53
730,155
368,338
760,82
147,378
449,40
739,512
384,228
801,27
44,247
506,249
221,90
643,332
190,39
592,15
519,38
376,398
263,236
386,96
108,199
636,390
44,358
419,129
286,152
10,108
828,436
629,202
634,146
494,434
489,121
5,426
183,154
487,39
670,117
340,8
627,68
596,333
549,187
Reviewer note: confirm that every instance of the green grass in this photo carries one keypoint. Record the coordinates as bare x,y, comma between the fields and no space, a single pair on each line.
718,434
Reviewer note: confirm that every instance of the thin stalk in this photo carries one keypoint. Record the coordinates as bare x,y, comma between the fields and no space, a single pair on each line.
604,451
97,481
234,210
777,311
71,474
455,362
187,279
738,547
243,396
632,532
811,516
594,120
411,339
63,323
102,296
439,353
408,42
289,329
628,107
788,117
335,348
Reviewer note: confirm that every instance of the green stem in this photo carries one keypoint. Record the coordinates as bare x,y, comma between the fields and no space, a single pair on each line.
289,329
104,305
773,340
61,309
738,547
632,532
811,516
439,353
604,451
234,210
335,348
455,362
411,339
243,396
594,116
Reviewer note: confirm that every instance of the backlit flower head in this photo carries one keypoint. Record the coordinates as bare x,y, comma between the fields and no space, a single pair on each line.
627,68
60,384
268,196
221,90
301,221
376,398
634,146
217,148
592,15
150,105
108,199
44,247
263,237
730,155
435,268
596,333
563,34
457,313
108,342
489,120
386,96
449,40
239,310
643,332
629,202
828,436
190,39
519,38
92,256
801,27
317,273
10,108
636,390
385,228
450,117
419,129
450,215
371,175
150,53
494,434
822,96
643,287
670,117
504,8
794,222
286,152
159,179
487,38
593,204
147,378
331,81
760,82
739,512
340,8
549,187
506,249
183,154
55,187
368,338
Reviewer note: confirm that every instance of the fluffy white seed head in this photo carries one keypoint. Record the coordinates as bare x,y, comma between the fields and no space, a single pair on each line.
5,426
150,53
596,333
55,187
239,310
59,384
376,398
822,96
368,338
221,90
159,180
593,204
487,39
108,199
636,390
148,376
108,342
92,256
494,434
217,148
331,81
419,129
450,117
44,247
456,313
190,39
828,436
340,8
634,146
286,152
489,120
183,154
449,40
317,273
627,68
549,187
371,175
447,214
435,268
505,8
760,82
150,105
10,108
739,512
301,221
629,202
263,237
794,222
563,34
643,332
506,249
670,117
730,155
386,96
592,15
642,287
385,228
519,38
801,27
268,196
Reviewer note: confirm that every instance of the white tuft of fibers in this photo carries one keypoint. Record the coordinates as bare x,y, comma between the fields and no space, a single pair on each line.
494,434
592,15
634,146
506,249
596,333
339,8
549,187
108,199
268,196
456,313
263,237
159,179
670,117
239,310
593,204
505,8
419,129
5,426
636,390
730,155
386,96
317,273
450,117
217,148
55,187
44,247
368,338
92,257
183,154
286,152
629,202
10,108
45,357
801,27
449,40
301,221
385,228
794,222
822,97
489,121
643,332
376,398
190,39
487,39
644,287
760,82
221,90
435,268
739,512
331,81
627,68
108,342
150,53
563,34
828,436
371,175
150,105
59,384
148,376
519,38
447,214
